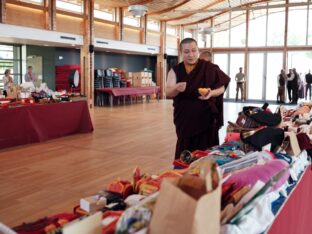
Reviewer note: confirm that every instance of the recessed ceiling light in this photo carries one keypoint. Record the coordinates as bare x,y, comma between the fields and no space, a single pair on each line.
46,45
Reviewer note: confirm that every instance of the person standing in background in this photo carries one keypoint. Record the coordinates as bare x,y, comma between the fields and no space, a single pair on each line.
7,81
206,55
308,79
290,77
30,76
240,81
295,86
281,82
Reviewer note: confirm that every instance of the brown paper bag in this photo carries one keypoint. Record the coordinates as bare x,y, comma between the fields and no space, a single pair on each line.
177,212
292,148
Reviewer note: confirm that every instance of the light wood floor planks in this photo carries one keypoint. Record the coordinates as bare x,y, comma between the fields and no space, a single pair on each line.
43,179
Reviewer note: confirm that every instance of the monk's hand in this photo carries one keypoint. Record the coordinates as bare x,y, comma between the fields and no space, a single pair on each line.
181,86
207,96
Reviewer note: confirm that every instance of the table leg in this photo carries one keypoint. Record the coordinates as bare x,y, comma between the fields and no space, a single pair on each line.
111,100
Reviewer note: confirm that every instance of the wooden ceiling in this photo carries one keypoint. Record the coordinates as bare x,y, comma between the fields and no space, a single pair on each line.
188,12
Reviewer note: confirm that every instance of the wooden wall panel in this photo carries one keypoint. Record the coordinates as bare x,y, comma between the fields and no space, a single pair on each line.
24,16
172,42
131,35
153,38
69,24
104,30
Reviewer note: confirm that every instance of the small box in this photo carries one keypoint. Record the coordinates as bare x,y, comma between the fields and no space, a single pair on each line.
92,203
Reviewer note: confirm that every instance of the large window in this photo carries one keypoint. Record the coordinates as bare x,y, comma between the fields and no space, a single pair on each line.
310,26
38,2
297,25
104,14
236,61
131,21
301,60
255,76
221,31
153,25
72,6
238,29
10,59
171,30
276,27
273,68
187,34
257,28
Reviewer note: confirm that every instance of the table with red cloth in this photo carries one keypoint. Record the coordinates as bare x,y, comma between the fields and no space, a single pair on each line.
37,123
123,92
296,213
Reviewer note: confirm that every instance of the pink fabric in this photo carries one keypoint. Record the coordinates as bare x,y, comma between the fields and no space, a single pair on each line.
232,136
263,173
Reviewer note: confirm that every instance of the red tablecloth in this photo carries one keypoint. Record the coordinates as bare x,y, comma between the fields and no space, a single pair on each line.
29,124
295,216
130,91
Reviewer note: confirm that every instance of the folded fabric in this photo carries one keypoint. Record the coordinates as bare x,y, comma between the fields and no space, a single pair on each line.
262,137
304,141
263,173
232,136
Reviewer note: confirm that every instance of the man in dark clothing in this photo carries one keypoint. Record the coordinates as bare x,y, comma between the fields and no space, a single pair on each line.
281,80
290,77
295,87
308,78
197,117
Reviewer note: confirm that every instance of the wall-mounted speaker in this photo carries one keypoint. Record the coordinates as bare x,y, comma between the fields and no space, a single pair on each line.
91,48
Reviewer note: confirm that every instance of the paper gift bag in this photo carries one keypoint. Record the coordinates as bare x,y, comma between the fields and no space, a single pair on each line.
178,212
291,145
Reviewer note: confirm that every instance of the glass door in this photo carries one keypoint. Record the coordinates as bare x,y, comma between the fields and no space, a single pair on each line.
274,66
222,61
236,61
256,76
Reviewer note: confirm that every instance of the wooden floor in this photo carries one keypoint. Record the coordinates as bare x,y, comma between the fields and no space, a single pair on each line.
43,179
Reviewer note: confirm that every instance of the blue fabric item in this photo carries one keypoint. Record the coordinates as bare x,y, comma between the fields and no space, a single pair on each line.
277,204
284,157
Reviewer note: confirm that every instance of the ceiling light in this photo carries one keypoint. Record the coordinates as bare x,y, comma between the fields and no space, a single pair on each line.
137,10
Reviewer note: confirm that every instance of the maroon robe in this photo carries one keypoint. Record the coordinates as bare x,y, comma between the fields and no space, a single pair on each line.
198,121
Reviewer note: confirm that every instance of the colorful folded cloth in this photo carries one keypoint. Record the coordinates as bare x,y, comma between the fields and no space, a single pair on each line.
263,173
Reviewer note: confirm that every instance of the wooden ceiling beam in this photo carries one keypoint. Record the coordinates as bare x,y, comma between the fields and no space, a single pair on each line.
169,9
220,13
188,15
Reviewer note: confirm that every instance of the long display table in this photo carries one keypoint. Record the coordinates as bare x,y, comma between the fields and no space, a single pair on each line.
123,92
37,123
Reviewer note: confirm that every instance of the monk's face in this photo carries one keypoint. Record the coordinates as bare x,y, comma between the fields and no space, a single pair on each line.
190,53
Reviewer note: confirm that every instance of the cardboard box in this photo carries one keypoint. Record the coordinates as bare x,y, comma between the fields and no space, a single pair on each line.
92,203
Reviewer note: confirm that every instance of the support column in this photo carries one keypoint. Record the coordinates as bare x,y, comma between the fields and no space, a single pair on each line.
119,29
143,31
246,57
87,53
162,62
50,14
180,38
285,36
3,11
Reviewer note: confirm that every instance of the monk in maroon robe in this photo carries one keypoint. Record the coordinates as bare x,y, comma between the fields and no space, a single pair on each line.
197,117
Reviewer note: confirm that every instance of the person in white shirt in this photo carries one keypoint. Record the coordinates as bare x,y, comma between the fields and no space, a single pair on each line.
240,80
281,81
30,76
7,81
